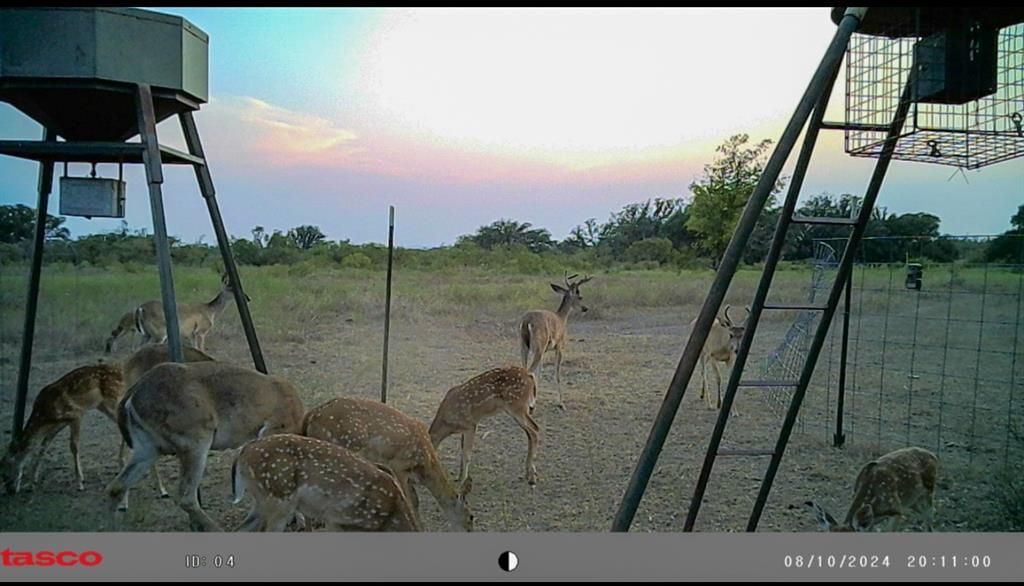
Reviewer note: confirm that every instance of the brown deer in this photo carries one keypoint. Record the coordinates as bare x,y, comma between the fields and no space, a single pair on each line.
126,325
542,330
186,410
195,320
510,389
292,475
139,363
58,405
387,436
886,488
721,346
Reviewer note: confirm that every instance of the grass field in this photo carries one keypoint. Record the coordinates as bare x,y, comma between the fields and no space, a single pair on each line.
323,330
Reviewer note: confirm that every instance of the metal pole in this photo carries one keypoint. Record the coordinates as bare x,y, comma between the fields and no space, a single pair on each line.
767,274
845,268
726,271
155,177
205,180
387,306
28,336
839,439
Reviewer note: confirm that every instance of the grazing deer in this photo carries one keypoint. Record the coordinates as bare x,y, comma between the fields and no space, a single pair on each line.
139,363
125,326
58,405
511,389
195,320
385,435
186,410
292,475
887,487
722,343
542,330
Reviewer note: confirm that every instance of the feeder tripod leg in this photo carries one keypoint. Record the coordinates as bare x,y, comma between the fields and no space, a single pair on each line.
205,180
730,261
151,160
31,303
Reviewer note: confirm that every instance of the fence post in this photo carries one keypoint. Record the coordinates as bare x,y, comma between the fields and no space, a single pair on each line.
387,306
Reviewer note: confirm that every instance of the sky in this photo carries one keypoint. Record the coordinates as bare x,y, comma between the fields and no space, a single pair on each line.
459,117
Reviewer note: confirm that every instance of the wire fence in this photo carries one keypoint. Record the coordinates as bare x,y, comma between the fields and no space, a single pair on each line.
937,363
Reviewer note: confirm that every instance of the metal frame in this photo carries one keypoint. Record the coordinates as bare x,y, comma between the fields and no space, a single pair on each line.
151,155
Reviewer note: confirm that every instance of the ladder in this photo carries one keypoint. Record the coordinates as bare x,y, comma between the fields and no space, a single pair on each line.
810,112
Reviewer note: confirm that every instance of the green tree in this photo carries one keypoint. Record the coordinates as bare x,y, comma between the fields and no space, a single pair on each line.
640,221
17,223
720,195
509,233
1009,247
306,237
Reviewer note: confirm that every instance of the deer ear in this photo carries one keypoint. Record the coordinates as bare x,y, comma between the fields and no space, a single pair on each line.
558,288
824,519
864,518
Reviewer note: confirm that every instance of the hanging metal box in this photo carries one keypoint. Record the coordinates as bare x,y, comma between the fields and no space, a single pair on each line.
956,66
915,273
92,197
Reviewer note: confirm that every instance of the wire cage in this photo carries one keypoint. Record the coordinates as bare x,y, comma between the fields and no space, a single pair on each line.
967,94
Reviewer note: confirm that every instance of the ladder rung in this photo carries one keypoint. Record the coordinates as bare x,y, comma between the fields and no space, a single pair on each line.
824,221
854,126
768,383
795,306
745,452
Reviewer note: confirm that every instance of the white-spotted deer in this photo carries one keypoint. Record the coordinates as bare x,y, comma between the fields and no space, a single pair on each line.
195,320
887,488
542,330
61,404
510,389
290,475
186,410
385,435
139,363
721,346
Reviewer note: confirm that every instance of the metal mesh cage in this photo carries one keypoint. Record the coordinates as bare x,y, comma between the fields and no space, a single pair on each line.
971,134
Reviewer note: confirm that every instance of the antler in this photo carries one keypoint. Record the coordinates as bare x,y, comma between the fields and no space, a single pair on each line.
584,280
728,318
568,278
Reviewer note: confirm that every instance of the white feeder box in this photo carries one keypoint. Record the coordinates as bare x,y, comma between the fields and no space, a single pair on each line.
92,197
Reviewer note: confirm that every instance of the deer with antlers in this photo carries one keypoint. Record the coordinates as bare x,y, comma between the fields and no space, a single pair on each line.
186,410
512,390
542,330
195,320
887,488
387,436
291,475
61,404
720,347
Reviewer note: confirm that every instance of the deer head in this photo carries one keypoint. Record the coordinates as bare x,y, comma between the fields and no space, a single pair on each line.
226,286
736,330
571,291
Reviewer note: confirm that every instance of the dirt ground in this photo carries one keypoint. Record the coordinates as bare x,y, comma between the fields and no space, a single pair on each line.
615,374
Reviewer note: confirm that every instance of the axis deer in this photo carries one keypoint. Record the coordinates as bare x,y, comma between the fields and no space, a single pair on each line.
387,436
541,330
885,489
139,363
195,320
186,410
125,326
511,389
61,404
292,475
721,346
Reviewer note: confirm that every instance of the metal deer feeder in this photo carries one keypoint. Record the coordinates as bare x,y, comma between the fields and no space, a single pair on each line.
96,78
931,84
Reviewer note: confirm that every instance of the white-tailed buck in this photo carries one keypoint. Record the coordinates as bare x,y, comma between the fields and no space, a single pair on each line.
542,330
886,489
58,405
721,346
385,435
139,363
186,410
126,325
291,475
511,389
195,320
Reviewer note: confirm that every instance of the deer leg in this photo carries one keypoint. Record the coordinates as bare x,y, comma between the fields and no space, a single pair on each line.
718,384
558,376
468,438
193,463
75,436
533,438
40,453
143,458
410,491
703,378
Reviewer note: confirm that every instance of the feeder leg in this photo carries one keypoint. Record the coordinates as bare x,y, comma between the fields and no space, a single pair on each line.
151,160
205,180
28,335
